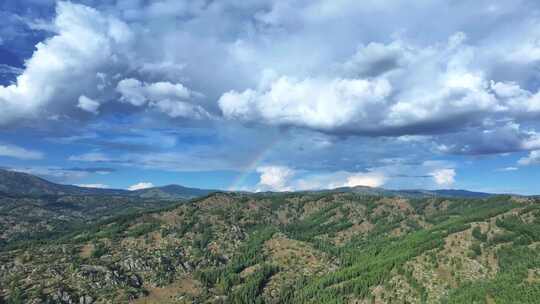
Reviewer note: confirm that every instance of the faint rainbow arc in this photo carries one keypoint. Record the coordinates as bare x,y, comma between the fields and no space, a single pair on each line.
253,164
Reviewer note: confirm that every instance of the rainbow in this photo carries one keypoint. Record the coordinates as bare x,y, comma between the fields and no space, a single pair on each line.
252,165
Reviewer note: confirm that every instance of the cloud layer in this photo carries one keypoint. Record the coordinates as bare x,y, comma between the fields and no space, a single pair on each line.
385,84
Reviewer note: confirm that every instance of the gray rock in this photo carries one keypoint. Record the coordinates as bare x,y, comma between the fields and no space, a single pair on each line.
86,300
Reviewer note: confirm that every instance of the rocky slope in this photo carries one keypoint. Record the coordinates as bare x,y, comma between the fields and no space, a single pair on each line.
291,248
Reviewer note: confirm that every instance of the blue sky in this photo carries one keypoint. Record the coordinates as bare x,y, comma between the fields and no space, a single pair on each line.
273,95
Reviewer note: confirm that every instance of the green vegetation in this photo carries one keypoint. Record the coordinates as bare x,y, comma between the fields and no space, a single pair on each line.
251,291
291,248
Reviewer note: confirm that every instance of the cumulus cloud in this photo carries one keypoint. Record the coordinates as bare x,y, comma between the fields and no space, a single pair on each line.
324,104
140,186
88,104
85,42
438,89
338,179
404,86
282,178
354,84
374,179
532,159
167,97
137,93
444,177
19,152
132,91
274,178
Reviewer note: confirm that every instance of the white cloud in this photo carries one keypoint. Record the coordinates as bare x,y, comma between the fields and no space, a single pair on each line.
20,153
90,157
140,186
444,177
88,105
338,179
532,159
274,178
282,178
138,93
507,169
371,179
167,97
97,186
132,92
323,104
86,41
393,89
175,108
160,90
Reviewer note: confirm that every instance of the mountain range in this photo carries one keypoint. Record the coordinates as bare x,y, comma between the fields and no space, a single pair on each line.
32,207
23,184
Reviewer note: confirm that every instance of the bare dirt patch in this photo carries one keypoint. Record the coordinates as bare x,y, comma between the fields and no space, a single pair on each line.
346,235
177,292
86,250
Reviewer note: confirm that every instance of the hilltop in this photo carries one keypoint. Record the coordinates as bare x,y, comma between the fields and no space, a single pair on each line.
34,208
21,184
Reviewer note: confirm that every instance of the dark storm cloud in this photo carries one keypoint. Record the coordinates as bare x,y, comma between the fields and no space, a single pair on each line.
494,140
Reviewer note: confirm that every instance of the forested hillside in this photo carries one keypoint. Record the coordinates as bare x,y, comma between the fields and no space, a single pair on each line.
32,208
290,248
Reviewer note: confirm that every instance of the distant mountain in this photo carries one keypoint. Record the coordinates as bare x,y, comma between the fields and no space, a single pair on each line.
22,184
31,206
171,192
462,193
14,183
414,193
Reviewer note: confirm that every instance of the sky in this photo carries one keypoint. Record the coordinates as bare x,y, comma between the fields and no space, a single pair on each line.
270,95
